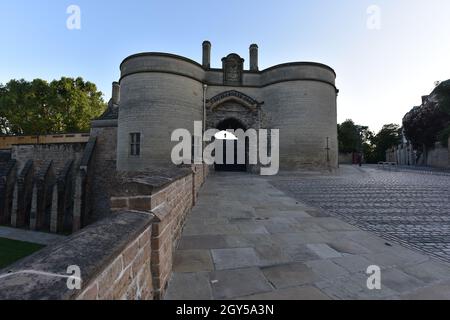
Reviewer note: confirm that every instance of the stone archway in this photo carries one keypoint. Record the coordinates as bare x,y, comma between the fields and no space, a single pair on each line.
233,104
232,124
234,110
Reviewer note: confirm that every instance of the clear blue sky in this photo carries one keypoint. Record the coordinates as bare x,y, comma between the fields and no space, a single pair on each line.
381,73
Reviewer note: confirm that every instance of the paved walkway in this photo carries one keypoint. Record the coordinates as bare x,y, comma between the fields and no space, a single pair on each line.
248,240
412,208
30,236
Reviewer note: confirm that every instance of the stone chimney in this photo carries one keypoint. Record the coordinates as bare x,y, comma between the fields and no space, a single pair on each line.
254,57
424,99
115,98
206,54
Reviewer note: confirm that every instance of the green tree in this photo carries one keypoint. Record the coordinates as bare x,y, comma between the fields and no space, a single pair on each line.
429,123
39,107
349,137
389,136
353,137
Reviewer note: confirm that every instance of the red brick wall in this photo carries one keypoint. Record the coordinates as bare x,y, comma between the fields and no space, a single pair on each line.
170,205
128,277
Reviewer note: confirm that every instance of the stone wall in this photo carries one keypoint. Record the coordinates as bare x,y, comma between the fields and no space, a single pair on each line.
437,156
7,142
403,154
42,153
105,156
7,182
49,188
345,158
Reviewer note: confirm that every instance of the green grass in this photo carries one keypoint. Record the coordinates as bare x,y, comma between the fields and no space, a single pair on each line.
12,250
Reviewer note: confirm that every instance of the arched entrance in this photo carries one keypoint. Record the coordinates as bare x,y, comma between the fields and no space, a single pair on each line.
232,124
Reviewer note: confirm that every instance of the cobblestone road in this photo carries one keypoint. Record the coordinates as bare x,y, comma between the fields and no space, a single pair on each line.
409,208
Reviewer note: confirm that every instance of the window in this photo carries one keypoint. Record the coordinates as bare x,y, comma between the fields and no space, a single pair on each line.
135,144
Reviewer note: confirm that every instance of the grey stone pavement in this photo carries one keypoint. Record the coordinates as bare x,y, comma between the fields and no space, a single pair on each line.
247,239
30,236
411,208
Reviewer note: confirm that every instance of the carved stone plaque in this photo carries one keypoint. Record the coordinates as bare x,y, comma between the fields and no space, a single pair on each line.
233,66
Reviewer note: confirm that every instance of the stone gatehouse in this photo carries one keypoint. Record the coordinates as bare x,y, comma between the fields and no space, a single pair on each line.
159,93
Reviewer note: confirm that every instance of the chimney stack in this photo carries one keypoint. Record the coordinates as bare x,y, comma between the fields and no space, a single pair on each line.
115,93
206,54
254,57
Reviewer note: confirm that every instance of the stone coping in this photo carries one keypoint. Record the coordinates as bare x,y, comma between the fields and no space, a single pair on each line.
91,249
148,181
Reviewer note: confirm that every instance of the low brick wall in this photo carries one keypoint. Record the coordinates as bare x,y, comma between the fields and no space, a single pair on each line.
170,202
128,277
113,256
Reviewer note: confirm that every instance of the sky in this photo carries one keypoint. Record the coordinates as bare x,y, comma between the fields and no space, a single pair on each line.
385,59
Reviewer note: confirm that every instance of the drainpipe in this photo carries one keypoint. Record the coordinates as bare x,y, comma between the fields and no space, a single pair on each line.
205,88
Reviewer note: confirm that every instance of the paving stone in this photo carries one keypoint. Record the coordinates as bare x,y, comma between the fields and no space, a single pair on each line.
234,258
228,284
277,227
298,214
189,286
295,293
353,264
249,240
203,242
213,229
289,275
354,287
435,292
272,255
348,247
192,261
429,271
301,253
327,269
341,289
252,228
394,259
399,281
289,239
324,251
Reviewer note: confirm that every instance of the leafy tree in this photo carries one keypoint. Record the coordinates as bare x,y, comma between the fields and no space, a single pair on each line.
349,137
39,107
352,137
430,122
357,138
389,136
442,91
